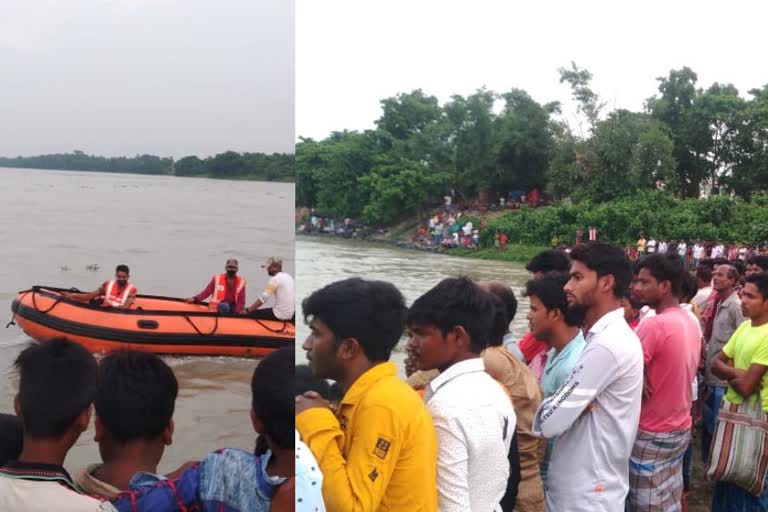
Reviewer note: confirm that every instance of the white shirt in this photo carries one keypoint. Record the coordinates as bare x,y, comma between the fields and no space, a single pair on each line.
281,285
589,468
681,247
468,229
474,421
698,251
309,480
651,246
662,246
36,496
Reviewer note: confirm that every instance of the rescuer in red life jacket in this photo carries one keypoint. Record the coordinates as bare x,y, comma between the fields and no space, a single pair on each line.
117,293
227,290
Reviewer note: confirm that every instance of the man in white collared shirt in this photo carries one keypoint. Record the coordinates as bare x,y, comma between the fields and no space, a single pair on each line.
595,413
450,326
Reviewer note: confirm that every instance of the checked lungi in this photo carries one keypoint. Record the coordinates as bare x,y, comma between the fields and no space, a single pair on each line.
656,471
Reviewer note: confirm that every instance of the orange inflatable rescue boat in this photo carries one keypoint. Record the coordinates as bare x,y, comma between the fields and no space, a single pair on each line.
164,325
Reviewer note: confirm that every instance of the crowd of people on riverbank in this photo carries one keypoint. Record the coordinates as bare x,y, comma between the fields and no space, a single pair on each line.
132,397
592,410
693,252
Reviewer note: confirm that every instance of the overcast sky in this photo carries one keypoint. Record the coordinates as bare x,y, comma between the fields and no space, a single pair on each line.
352,53
165,77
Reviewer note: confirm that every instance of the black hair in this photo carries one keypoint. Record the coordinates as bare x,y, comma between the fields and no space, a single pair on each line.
665,267
732,273
273,396
59,379
373,312
500,324
760,280
137,395
704,273
739,265
719,261
688,288
305,381
122,268
606,259
456,302
548,261
549,289
507,297
759,260
11,438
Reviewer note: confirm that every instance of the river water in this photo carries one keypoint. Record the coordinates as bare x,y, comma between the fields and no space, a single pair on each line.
323,260
174,233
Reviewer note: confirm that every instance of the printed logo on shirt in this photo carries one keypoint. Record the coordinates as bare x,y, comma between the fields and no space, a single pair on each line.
382,448
373,475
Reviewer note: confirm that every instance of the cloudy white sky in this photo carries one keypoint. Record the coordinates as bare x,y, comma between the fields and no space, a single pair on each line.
352,53
165,77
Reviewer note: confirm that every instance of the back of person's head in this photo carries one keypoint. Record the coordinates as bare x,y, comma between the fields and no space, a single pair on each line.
759,261
505,294
456,302
549,289
688,287
11,438
704,273
740,266
273,399
372,312
58,382
548,261
664,267
306,381
136,396
500,325
605,259
719,261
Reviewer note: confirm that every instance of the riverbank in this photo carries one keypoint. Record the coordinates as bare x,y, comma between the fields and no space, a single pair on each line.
400,236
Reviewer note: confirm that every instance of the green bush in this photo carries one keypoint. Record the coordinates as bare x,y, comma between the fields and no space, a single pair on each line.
657,214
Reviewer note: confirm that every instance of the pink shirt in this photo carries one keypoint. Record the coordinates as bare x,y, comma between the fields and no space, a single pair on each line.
671,349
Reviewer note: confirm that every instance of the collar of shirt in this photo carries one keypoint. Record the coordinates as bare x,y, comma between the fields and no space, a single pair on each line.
469,366
733,297
368,379
606,320
37,471
554,356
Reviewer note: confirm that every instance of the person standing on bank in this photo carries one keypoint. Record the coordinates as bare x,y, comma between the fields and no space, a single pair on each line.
227,290
280,285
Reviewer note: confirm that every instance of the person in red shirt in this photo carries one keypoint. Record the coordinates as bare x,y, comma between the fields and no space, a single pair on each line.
227,291
671,342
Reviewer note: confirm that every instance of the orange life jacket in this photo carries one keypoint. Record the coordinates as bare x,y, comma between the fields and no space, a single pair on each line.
220,288
115,299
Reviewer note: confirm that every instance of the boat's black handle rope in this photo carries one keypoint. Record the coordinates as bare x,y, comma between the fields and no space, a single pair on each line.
215,326
277,331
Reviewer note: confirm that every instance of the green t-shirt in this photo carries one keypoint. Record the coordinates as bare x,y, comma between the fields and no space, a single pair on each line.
748,346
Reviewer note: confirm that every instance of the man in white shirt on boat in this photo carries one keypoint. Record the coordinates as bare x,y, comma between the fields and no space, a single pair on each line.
281,286
117,293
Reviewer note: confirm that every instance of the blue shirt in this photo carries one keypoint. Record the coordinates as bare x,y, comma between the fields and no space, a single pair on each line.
559,366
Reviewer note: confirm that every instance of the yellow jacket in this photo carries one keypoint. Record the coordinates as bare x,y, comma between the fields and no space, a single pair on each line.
380,453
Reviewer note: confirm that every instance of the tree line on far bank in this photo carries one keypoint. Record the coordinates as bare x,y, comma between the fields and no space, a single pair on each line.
687,141
256,166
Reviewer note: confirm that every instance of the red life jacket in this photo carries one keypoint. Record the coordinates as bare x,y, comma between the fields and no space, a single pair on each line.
115,299
220,288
